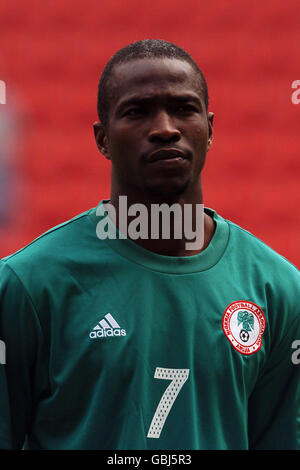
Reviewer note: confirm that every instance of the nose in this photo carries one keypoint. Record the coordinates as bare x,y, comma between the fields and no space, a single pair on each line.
163,128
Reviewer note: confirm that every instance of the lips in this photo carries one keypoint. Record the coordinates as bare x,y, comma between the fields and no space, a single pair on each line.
166,154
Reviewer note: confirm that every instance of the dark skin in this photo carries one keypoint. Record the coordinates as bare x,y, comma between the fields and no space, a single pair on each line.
157,104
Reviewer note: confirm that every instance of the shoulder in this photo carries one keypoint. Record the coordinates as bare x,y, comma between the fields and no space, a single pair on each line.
264,269
251,249
56,247
256,263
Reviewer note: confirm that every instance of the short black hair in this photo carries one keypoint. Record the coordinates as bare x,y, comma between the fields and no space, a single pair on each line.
146,48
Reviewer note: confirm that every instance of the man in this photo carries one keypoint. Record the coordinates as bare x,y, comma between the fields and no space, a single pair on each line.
141,343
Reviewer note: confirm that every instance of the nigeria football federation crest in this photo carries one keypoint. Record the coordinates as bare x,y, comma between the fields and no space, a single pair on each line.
244,324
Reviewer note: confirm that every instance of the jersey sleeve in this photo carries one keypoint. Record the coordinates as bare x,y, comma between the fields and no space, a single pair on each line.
274,406
22,380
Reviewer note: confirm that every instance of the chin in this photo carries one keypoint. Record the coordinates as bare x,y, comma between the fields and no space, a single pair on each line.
165,191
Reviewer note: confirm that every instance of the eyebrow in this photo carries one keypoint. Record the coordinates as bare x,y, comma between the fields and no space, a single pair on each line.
138,100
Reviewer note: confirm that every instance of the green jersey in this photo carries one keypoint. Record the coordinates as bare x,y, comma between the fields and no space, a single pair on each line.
106,345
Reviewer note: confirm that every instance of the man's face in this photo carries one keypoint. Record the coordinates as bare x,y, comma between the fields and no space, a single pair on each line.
158,127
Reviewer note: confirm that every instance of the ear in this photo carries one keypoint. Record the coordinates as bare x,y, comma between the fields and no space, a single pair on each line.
210,119
101,139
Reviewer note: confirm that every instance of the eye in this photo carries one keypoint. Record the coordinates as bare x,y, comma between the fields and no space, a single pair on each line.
133,112
187,108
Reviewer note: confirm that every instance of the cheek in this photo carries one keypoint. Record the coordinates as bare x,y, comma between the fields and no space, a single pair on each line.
124,135
122,149
118,143
199,138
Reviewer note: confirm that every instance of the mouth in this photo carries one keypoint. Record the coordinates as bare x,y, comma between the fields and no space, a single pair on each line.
167,154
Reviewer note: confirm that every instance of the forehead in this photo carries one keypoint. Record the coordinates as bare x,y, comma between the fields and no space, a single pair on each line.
154,77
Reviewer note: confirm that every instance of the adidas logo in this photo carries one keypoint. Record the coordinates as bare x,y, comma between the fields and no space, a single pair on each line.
107,327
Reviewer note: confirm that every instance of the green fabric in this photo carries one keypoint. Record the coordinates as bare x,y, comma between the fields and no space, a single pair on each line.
67,386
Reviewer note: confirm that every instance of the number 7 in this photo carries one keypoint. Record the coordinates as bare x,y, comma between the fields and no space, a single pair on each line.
178,377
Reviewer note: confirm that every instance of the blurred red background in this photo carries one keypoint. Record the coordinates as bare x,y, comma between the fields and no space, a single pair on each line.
51,57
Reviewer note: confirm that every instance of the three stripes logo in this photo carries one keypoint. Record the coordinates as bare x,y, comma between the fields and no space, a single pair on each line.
107,327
